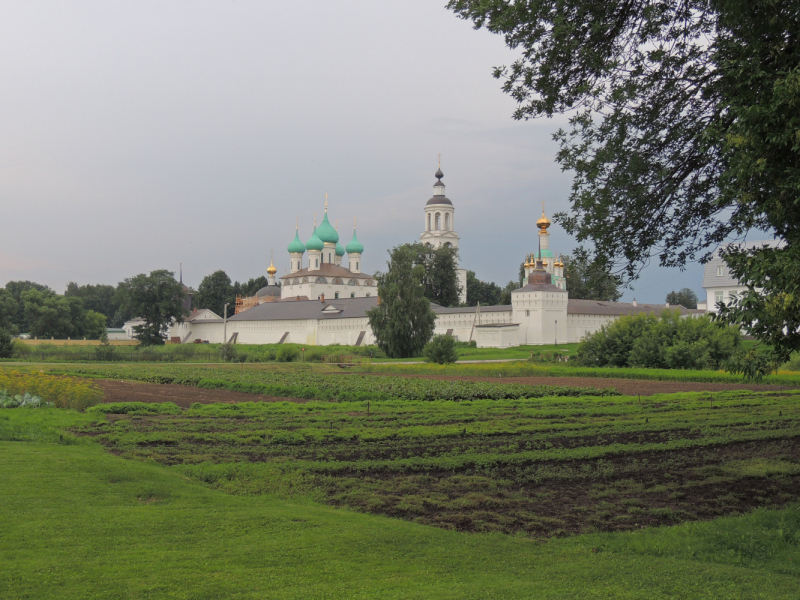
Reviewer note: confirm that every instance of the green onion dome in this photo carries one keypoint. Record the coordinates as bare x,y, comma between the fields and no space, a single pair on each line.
339,249
296,246
314,243
355,247
326,232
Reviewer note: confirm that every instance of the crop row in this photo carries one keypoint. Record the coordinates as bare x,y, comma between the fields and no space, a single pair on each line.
304,384
529,369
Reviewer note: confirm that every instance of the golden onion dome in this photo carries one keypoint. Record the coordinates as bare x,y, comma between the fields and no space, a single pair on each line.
271,269
543,223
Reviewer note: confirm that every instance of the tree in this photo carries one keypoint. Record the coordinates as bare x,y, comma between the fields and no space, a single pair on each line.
16,289
685,298
441,274
98,298
505,295
403,321
682,134
8,311
158,299
253,285
485,292
95,325
49,315
587,279
214,292
441,350
6,344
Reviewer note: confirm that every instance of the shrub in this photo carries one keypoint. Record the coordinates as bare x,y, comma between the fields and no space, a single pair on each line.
228,352
441,350
63,392
105,351
288,354
666,342
6,346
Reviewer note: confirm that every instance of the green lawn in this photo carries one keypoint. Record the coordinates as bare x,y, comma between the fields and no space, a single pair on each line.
76,522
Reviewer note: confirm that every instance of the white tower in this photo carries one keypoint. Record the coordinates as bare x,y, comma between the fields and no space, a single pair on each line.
440,229
354,250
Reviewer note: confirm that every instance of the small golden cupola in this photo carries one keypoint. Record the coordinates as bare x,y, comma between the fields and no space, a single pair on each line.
271,270
543,223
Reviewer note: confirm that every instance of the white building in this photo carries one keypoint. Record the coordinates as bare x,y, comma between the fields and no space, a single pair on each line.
719,284
322,302
440,227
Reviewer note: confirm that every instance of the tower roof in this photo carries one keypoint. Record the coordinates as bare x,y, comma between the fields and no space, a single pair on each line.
314,243
438,190
355,247
543,223
326,232
296,246
339,249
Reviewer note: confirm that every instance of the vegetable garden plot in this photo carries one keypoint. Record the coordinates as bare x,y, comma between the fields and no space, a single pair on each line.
546,466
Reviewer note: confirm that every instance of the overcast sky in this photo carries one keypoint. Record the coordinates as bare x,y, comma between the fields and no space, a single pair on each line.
140,135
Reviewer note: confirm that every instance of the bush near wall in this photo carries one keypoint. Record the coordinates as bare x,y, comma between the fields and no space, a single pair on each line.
665,342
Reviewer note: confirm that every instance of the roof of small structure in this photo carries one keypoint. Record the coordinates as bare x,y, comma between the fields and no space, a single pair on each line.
342,308
596,307
268,291
328,270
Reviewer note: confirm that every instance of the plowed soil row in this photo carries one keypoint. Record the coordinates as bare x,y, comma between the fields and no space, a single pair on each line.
182,395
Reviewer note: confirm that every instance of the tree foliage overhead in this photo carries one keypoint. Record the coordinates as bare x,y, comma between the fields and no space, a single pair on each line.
158,299
403,322
682,132
685,298
589,280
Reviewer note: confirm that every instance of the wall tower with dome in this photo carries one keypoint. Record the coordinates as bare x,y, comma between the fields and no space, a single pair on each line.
440,227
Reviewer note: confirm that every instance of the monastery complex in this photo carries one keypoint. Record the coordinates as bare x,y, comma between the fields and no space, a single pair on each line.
321,302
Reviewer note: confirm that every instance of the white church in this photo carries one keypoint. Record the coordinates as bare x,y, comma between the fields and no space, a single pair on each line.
322,302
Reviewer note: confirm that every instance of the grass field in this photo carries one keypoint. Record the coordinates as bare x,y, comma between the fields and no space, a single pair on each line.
77,522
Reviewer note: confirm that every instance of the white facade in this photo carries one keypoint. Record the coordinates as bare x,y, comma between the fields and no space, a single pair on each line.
718,284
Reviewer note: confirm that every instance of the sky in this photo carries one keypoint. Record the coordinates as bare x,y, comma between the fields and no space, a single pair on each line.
144,135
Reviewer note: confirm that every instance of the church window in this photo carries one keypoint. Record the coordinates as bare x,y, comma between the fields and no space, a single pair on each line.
316,260
336,296
438,221
356,265
527,313
352,294
368,294
321,280
447,221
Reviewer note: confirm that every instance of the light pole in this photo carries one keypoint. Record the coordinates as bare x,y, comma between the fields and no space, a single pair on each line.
225,325
556,332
